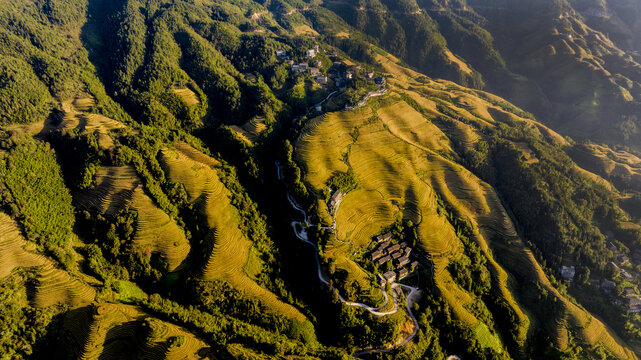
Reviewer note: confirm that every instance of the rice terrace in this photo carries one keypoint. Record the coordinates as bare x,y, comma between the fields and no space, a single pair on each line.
329,180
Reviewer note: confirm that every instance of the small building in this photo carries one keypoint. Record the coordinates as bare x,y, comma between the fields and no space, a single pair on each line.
281,54
380,80
414,265
624,260
314,71
303,66
393,248
626,274
390,276
633,303
407,251
403,244
290,62
384,259
385,237
381,280
318,107
310,53
349,75
608,285
402,273
629,292
395,255
567,272
402,261
336,198
383,247
322,79
296,68
370,75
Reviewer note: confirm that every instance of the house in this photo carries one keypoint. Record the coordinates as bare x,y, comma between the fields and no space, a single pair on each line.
390,276
296,68
393,248
403,244
349,74
608,285
336,198
624,260
384,237
567,272
414,265
402,273
383,247
402,262
310,53
370,75
614,266
384,259
318,107
407,251
314,71
633,303
396,255
281,54
322,79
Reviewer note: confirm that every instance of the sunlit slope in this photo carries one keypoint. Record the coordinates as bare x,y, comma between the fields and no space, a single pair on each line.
77,114
118,188
112,331
52,285
230,247
403,162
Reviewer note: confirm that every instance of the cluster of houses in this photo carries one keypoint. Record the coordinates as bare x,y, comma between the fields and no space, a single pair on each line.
312,67
399,254
340,71
629,299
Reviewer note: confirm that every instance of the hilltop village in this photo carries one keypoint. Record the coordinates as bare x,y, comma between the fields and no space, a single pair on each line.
393,259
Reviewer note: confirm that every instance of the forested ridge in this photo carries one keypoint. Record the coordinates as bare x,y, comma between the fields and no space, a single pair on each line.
156,156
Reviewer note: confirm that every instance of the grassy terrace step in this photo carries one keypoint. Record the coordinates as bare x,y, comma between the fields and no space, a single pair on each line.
112,330
12,248
230,247
119,187
53,286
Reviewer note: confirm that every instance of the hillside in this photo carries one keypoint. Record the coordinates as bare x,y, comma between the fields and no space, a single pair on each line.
293,179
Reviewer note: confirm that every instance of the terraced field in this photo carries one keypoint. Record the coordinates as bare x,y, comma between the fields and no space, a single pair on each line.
251,130
118,188
13,247
111,331
230,247
188,96
403,162
52,285
77,115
